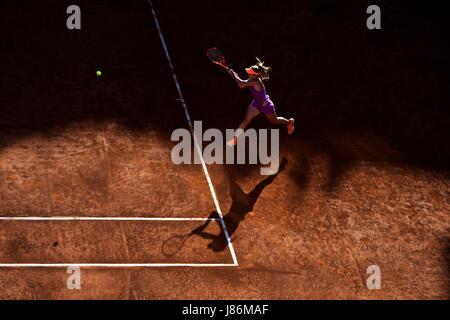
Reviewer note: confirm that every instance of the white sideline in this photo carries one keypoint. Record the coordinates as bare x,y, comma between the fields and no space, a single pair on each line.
104,219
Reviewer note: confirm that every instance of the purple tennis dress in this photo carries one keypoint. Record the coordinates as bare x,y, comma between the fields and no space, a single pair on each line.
261,101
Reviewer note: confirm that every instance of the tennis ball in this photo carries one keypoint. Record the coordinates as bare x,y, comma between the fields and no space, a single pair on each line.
98,73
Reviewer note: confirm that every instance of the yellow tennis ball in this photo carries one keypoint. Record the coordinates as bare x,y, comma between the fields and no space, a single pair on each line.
98,73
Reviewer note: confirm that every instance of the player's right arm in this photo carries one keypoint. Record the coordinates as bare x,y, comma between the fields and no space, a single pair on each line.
241,83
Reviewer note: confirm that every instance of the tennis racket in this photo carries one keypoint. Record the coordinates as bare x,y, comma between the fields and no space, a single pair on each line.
216,56
174,244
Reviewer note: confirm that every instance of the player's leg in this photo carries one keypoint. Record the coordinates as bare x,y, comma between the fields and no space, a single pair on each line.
251,113
281,121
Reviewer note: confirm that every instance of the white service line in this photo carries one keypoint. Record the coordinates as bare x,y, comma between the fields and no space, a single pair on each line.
104,219
197,147
112,265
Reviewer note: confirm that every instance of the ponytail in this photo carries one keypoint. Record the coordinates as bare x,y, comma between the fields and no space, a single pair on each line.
263,70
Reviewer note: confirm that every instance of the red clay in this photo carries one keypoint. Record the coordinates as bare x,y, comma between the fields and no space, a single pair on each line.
366,181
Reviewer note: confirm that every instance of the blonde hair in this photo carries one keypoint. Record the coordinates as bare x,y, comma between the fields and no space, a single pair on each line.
262,69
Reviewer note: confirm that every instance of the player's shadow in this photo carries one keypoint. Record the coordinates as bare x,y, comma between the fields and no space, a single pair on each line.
242,204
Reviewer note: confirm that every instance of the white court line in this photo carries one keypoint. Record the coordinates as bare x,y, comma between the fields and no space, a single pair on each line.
197,147
104,219
112,265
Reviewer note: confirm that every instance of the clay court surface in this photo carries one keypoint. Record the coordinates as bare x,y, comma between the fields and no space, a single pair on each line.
365,183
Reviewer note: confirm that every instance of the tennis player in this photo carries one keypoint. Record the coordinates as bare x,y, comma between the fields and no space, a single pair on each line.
261,101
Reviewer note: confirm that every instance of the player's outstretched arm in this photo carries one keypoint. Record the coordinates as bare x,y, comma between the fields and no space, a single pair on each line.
241,83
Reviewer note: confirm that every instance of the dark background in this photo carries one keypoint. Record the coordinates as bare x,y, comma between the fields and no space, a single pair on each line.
329,71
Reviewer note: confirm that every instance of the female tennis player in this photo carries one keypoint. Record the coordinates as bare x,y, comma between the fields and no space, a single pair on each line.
261,101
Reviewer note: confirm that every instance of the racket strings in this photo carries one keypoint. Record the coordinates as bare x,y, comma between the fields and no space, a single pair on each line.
215,55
